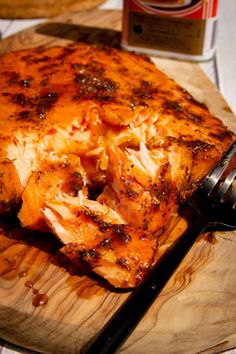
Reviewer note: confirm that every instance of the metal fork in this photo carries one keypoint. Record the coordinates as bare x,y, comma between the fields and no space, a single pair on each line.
214,207
215,199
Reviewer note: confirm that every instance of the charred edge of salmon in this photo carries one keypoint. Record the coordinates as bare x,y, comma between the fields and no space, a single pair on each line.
129,276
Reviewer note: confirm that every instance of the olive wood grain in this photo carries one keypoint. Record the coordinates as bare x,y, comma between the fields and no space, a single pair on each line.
48,305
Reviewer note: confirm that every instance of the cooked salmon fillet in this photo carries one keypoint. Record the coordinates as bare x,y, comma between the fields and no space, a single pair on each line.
99,147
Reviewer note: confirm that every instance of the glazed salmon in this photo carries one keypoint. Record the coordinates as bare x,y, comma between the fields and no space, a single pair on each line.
99,147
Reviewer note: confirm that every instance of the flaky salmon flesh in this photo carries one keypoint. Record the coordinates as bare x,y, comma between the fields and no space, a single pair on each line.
99,147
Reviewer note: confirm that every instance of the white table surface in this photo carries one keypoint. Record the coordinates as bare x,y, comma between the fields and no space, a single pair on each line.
221,70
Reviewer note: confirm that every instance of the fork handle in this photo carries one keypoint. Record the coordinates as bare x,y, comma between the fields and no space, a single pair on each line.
127,317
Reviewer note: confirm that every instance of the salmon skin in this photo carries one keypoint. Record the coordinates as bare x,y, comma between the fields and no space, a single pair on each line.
99,147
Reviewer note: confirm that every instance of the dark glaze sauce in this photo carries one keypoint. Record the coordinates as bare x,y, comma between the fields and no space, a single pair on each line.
40,300
14,79
22,273
210,237
36,106
29,284
196,146
92,84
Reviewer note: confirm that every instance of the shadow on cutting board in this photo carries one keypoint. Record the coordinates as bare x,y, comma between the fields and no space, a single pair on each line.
24,252
79,33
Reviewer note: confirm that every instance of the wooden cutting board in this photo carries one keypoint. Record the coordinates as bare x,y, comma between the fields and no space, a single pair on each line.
51,307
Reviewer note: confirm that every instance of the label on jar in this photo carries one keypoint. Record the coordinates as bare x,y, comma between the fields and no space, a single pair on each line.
171,26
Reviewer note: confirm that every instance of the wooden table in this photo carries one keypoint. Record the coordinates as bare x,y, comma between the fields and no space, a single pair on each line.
220,70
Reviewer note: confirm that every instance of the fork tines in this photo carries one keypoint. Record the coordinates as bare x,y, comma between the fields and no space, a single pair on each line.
219,183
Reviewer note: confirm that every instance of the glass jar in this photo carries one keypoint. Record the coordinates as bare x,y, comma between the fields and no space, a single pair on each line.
183,29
